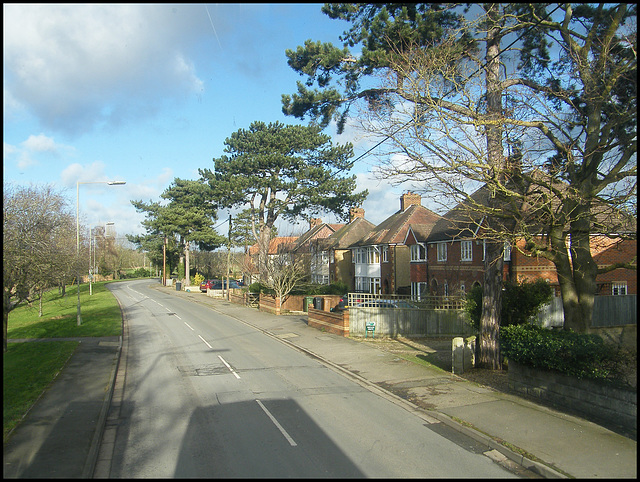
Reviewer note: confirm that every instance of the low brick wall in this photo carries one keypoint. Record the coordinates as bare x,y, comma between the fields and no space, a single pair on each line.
337,323
270,304
293,303
595,400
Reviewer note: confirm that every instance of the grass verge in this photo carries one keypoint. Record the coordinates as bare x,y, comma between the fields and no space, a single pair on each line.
29,368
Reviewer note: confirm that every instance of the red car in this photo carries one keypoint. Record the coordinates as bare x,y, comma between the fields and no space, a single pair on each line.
207,284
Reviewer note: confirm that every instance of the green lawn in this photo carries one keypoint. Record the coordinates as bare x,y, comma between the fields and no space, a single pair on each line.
28,368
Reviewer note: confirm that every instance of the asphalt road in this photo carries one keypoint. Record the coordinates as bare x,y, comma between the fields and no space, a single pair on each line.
206,395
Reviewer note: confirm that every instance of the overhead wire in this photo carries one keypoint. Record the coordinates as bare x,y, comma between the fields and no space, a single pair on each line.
478,70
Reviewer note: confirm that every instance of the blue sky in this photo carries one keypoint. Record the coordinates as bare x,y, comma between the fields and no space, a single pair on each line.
147,93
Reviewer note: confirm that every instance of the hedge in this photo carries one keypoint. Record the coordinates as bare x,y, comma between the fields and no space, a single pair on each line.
576,354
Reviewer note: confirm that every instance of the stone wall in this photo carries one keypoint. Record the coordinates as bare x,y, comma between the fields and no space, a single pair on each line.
595,400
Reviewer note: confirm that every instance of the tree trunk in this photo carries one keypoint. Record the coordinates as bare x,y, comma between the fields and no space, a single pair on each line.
6,308
187,278
492,291
491,305
263,253
578,312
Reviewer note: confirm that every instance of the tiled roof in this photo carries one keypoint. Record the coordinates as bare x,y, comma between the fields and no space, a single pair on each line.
393,230
315,232
275,244
347,235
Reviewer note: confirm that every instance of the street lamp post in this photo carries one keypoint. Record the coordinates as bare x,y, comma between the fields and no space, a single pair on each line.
110,183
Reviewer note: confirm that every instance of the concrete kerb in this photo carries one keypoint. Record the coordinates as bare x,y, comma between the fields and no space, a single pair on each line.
428,416
539,468
94,450
92,456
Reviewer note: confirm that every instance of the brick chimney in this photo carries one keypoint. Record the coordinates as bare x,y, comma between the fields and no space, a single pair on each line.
408,199
314,222
355,213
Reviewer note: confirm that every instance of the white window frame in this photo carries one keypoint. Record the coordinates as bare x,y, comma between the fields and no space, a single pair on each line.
619,288
418,252
417,288
466,250
359,255
442,251
374,285
385,254
373,255
507,251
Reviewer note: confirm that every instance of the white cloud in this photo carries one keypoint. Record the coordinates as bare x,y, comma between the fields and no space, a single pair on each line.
26,154
42,143
94,172
382,201
8,150
78,66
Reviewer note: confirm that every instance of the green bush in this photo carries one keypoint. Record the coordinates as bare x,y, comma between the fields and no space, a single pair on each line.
260,288
141,273
337,288
577,354
520,301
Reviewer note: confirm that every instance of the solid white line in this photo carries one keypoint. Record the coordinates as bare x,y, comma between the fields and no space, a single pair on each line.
205,342
275,422
188,325
229,367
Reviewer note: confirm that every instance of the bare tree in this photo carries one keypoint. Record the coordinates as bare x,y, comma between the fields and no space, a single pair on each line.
284,272
36,244
569,157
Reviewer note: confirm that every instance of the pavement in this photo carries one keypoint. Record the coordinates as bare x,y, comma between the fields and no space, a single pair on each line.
66,433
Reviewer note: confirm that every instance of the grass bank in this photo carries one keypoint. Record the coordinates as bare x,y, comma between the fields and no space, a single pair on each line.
28,368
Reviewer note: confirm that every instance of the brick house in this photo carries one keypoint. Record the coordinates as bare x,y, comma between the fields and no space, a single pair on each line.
305,247
381,259
450,259
333,253
278,246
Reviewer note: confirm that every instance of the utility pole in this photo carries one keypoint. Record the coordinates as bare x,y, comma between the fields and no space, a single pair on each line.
164,262
229,262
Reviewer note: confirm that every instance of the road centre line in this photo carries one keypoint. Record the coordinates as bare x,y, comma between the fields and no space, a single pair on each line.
275,422
188,325
205,342
226,364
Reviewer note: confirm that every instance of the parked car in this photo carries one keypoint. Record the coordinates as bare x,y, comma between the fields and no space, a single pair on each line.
207,284
232,284
343,304
376,304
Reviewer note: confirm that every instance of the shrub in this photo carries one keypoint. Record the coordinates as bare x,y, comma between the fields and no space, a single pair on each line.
577,354
260,288
141,273
520,301
198,279
333,289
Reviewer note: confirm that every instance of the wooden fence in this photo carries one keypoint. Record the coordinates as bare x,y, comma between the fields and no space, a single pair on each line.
607,311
